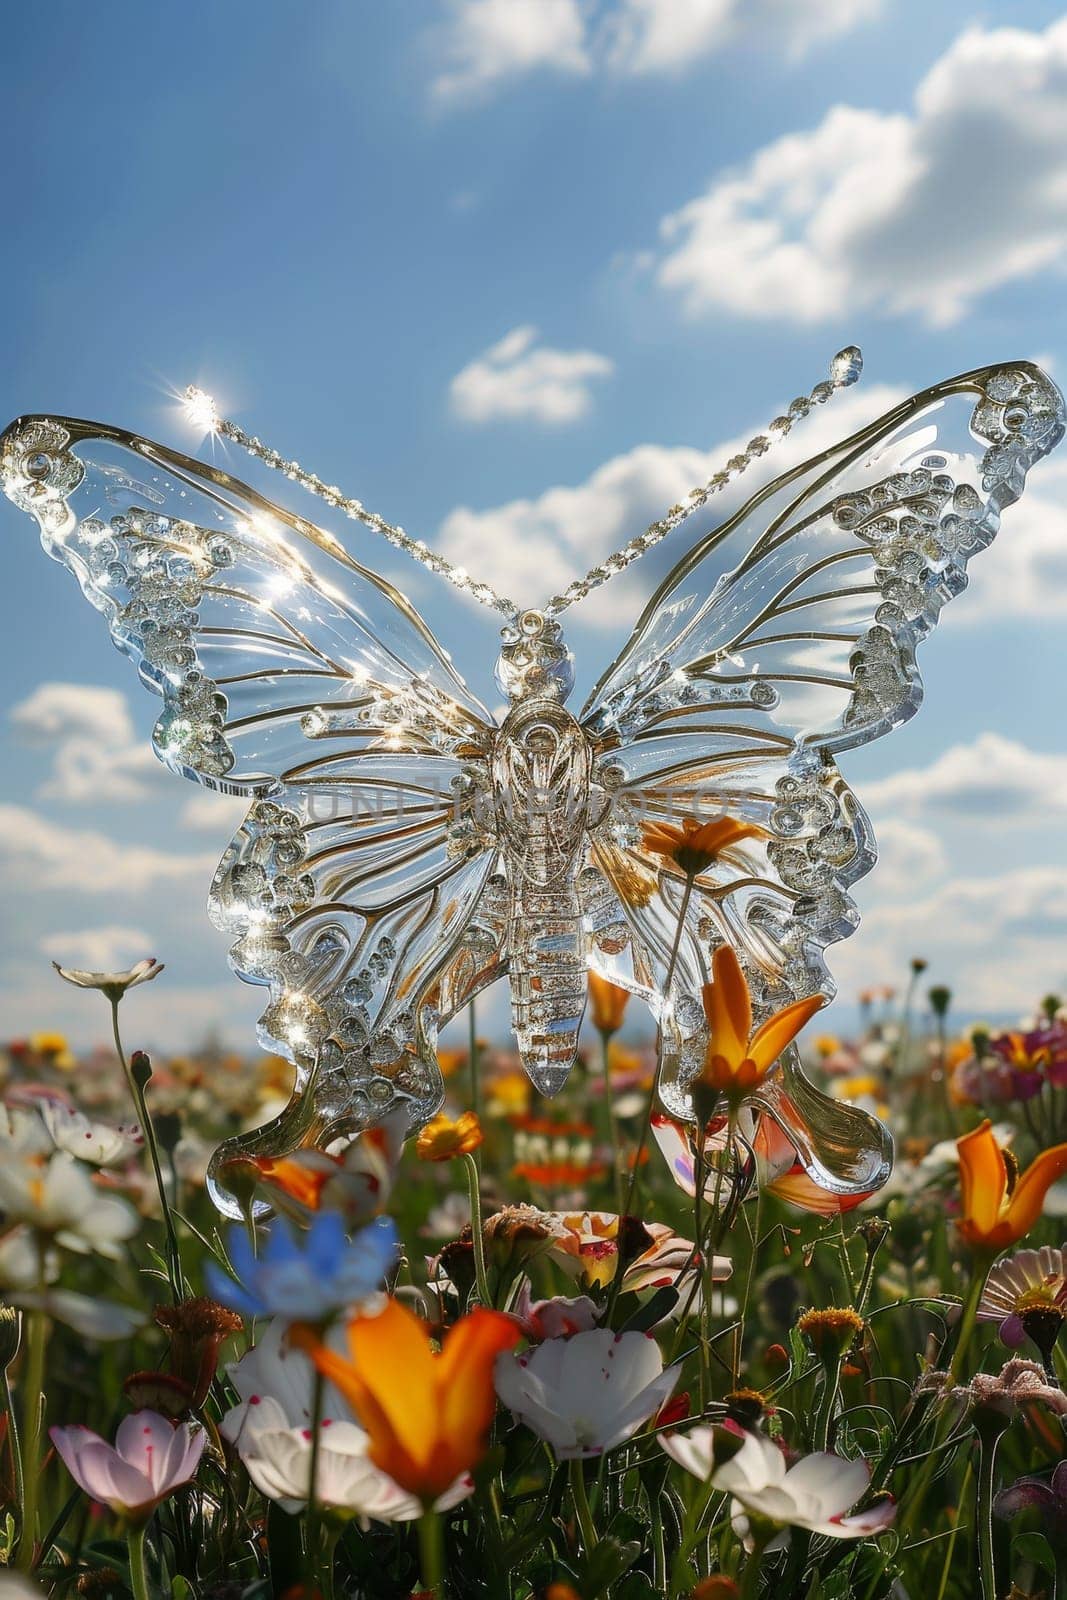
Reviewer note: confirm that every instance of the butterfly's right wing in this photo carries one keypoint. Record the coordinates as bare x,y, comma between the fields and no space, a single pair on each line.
789,633
359,889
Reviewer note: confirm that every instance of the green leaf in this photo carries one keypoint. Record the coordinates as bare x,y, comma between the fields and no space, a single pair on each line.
652,1312
1034,1547
605,1565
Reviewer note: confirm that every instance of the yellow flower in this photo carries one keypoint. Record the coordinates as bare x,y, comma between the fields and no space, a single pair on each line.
856,1088
608,1001
695,846
442,1139
736,1060
450,1061
427,1414
48,1044
997,1206
827,1045
508,1094
637,1068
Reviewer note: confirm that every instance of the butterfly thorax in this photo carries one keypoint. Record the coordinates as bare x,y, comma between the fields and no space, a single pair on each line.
544,802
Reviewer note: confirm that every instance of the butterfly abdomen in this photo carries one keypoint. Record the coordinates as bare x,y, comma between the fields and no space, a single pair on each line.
541,772
548,981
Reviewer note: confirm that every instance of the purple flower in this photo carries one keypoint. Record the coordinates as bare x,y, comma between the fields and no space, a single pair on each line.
1049,1497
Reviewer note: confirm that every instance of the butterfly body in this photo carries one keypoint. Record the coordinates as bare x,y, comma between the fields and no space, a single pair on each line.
402,850
545,803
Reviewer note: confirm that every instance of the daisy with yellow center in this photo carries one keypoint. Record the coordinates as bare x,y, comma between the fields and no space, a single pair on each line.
1026,1294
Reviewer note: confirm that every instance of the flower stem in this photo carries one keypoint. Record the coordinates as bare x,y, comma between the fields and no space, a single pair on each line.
311,1560
968,1316
581,1504
988,1440
473,1060
631,1188
751,1575
138,1572
1059,1586
474,1189
33,1420
432,1554
611,1130
174,1261
8,1403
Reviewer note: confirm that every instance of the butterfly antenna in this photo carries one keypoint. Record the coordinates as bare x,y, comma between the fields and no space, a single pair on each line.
202,412
845,369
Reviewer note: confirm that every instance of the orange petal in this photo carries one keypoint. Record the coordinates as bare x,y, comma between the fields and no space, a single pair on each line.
1028,1196
799,1190
772,1036
728,1006
465,1375
983,1179
341,1373
659,838
391,1353
724,832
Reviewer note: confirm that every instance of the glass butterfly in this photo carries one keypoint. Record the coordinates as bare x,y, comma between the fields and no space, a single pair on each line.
402,850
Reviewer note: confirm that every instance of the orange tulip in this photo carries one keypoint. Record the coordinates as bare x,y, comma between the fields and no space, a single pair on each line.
608,1002
997,1207
695,846
736,1060
796,1187
427,1414
442,1139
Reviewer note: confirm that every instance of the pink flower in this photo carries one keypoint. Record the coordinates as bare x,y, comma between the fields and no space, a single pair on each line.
150,1459
558,1318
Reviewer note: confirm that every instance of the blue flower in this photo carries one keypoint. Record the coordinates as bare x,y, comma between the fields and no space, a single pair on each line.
308,1279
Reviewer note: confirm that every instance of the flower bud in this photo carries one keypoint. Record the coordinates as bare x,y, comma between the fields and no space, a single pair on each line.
830,1333
940,999
197,1328
10,1335
717,1587
158,1391
141,1068
747,1407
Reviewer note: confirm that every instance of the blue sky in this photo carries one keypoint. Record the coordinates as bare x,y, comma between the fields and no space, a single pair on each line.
459,257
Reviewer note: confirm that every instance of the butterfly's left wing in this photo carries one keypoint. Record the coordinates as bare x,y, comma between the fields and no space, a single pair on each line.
358,890
786,635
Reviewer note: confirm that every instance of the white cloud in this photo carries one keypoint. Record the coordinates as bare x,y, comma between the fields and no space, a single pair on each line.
97,753
107,949
488,43
1024,574
219,814
514,379
907,855
37,854
166,1016
531,548
993,780
915,214
646,36
999,941
485,43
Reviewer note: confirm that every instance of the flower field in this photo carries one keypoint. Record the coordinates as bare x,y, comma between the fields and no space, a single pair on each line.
542,1349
